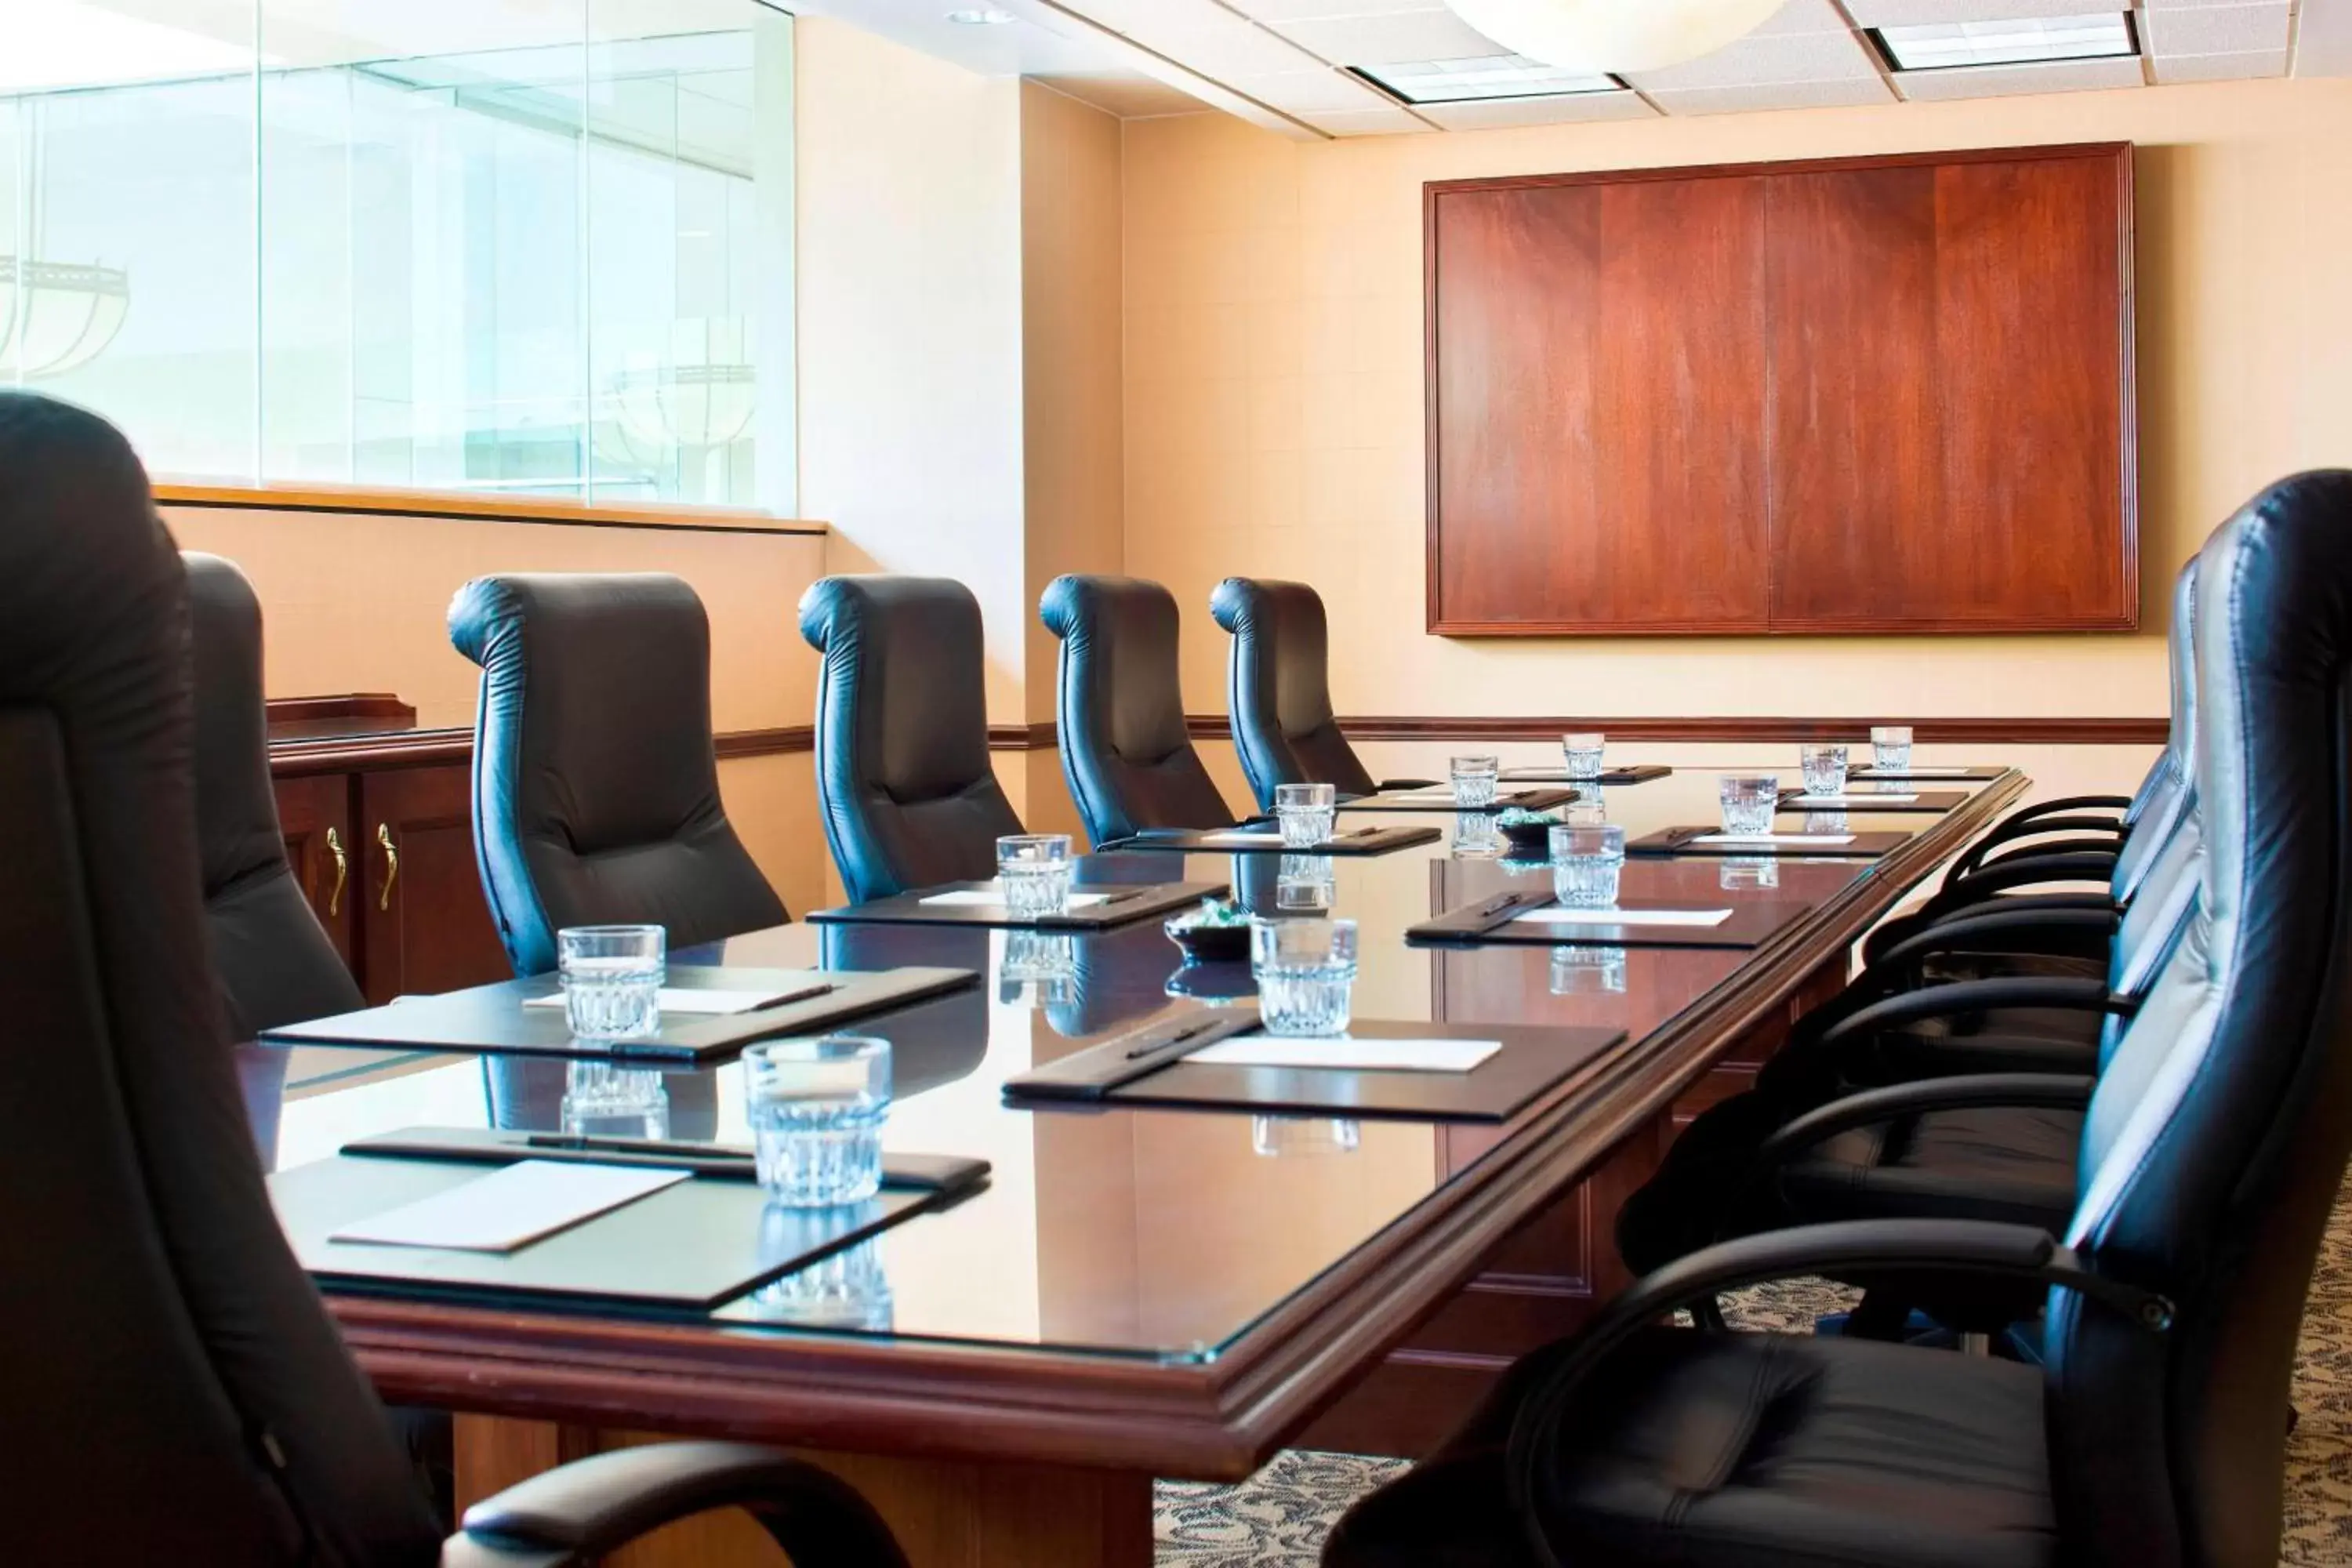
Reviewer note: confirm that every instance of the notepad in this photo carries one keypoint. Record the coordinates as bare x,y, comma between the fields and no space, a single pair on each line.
1913,772
1345,1053
512,1207
990,898
1810,801
697,1002
1554,914
1797,839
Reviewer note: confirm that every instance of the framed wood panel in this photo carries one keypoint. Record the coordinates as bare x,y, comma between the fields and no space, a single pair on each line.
1863,394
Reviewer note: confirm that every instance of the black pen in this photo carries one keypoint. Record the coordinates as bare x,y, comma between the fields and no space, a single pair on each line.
806,994
1178,1038
578,1144
1496,906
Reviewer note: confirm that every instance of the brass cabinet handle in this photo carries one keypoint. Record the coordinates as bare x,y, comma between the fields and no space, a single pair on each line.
391,863
343,871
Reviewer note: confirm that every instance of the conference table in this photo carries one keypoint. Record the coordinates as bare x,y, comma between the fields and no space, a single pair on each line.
1136,1293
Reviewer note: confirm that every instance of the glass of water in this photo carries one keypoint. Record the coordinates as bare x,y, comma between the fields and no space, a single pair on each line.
1304,812
1741,873
611,980
1476,835
1749,801
1890,748
1304,970
1824,769
1588,971
1033,872
816,1109
1585,865
843,1289
1473,781
601,1100
1583,753
1306,883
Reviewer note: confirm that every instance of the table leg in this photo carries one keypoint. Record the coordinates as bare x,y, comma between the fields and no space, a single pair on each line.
946,1513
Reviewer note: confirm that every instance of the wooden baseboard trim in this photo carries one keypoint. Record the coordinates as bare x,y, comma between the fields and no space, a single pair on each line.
1038,737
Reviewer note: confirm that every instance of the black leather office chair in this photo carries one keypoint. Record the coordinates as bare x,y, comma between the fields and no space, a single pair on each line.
275,962
595,784
2153,1436
175,1391
1125,753
1278,690
902,768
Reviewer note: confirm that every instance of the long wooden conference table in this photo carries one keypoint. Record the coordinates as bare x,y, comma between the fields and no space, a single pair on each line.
1136,1293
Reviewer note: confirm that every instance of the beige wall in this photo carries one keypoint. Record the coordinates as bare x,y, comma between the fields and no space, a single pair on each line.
1273,390
358,602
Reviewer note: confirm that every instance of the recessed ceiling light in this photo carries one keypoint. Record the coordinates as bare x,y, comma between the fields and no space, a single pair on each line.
1938,45
1482,77
988,16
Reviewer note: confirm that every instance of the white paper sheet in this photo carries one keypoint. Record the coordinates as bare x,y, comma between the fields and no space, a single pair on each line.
990,898
1798,838
1347,1053
1271,835
1556,915
1809,802
512,1208
699,1002
1912,774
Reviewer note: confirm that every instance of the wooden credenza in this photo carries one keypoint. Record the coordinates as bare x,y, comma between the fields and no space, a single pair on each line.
379,829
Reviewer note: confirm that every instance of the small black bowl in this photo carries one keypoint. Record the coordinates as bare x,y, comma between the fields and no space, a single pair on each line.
1213,983
1210,944
1529,838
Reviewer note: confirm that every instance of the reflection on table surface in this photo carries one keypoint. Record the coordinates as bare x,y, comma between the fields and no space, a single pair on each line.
1155,1233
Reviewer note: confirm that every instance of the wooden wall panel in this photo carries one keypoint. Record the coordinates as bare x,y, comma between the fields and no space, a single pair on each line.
1847,395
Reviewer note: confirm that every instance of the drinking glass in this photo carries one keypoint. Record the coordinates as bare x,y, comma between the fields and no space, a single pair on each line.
1040,967
1740,873
1033,872
1588,971
1305,969
611,980
1749,801
1585,864
601,1100
1304,812
843,1289
1826,821
816,1107
1477,835
1824,769
1586,808
1890,748
1583,753
1277,1137
1306,883
1473,781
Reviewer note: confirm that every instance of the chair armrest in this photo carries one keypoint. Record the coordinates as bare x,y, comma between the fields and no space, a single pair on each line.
1844,1250
2021,871
1965,867
1902,928
1869,1107
2114,802
1981,929
2011,832
1978,996
580,1512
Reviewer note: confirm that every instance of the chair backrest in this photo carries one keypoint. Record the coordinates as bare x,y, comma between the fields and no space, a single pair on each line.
174,1390
595,780
1125,753
1278,688
2219,1134
2164,797
902,769
275,962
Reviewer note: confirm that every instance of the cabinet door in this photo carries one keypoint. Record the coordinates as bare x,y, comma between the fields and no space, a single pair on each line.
425,926
314,815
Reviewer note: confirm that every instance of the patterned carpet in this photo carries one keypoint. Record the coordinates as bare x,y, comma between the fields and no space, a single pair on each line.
1278,1518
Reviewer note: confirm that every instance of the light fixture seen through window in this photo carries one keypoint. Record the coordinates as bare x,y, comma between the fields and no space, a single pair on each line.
1482,76
1938,45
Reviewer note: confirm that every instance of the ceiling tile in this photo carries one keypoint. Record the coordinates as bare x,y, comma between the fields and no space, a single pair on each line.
1313,10
1780,56
2323,38
1308,92
2172,68
2216,29
1913,13
1999,81
1366,122
1377,41
1803,17
1844,91
1215,42
1558,110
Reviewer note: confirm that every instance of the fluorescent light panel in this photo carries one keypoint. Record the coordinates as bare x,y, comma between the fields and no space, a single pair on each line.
1483,77
1939,45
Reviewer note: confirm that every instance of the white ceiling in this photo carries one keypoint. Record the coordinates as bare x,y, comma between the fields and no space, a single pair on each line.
1285,63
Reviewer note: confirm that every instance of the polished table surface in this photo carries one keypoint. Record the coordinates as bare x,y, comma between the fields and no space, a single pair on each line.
1173,1290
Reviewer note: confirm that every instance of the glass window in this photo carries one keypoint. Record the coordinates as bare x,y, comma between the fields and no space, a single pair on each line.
536,246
